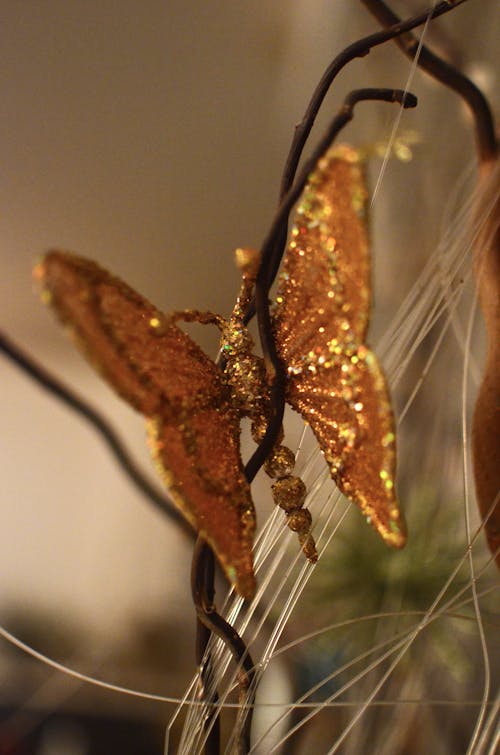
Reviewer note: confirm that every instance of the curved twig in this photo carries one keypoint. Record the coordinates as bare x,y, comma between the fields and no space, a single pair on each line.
54,386
358,49
202,573
203,592
447,75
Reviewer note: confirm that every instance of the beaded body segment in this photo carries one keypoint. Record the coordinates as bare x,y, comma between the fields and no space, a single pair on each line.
152,364
320,322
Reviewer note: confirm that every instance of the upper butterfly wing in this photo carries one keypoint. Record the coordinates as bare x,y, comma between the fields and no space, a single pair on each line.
161,372
320,323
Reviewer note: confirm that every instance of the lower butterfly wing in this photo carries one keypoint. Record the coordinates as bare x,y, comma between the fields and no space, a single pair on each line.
320,323
198,459
350,414
162,373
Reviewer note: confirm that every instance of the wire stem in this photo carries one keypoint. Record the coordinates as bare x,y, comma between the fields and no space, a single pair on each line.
358,49
447,75
202,573
68,397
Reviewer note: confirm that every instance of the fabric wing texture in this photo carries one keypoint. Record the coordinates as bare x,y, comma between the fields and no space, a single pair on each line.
321,318
152,364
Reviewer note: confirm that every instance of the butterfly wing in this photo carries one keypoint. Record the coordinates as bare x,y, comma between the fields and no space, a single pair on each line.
161,372
320,321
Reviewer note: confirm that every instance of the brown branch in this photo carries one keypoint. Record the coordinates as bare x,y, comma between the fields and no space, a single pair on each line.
447,75
67,396
202,574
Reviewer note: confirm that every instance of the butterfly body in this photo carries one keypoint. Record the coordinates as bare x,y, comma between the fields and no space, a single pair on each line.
194,408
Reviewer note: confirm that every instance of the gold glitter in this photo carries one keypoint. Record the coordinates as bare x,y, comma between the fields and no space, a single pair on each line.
308,546
193,427
338,386
289,493
158,325
280,463
299,521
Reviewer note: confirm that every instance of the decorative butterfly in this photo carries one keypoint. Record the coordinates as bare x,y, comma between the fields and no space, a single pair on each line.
194,409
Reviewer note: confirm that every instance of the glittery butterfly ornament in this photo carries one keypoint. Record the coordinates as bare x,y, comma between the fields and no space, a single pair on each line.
194,409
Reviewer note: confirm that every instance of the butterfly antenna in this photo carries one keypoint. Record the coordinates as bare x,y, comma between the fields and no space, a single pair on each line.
203,592
64,394
447,75
263,282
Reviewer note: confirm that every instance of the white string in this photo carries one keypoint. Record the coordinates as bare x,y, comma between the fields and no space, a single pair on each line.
397,119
